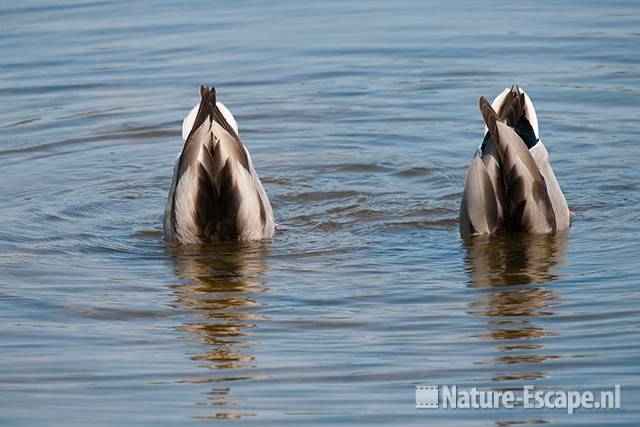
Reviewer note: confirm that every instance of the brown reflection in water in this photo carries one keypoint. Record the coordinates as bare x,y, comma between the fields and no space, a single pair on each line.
220,283
510,271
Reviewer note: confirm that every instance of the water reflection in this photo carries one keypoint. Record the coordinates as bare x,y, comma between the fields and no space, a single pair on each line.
220,283
510,271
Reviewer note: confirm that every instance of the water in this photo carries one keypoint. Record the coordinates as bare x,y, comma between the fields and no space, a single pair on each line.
361,119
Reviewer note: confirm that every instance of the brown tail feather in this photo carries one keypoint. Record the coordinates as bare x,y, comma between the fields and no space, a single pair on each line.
206,108
513,107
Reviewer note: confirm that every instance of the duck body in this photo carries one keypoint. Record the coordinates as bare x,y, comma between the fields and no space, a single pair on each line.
510,183
216,194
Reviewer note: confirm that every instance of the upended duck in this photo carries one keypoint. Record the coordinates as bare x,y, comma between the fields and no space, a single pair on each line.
510,183
216,194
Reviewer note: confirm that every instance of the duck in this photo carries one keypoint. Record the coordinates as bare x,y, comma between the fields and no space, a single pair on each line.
216,194
510,184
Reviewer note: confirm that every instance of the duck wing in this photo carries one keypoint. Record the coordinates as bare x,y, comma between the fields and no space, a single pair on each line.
558,201
481,209
483,201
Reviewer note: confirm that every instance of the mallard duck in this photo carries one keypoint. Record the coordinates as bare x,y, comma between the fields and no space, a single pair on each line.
216,194
510,183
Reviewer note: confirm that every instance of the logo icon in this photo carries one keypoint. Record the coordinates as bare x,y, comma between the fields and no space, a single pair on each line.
426,396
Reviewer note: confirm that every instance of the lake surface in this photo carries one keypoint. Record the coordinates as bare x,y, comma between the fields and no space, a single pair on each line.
361,119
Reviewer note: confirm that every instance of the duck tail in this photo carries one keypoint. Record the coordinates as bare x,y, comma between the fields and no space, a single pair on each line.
512,108
206,108
514,112
527,202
